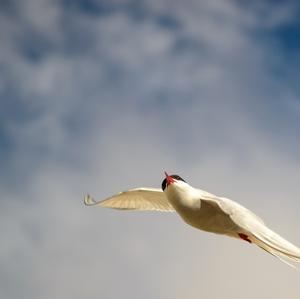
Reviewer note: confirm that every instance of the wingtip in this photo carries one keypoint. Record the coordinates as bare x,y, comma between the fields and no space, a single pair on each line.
88,200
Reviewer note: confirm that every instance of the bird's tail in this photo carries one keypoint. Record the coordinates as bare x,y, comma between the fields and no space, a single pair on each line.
276,245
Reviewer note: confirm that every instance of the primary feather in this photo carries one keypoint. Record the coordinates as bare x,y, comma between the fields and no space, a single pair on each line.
143,199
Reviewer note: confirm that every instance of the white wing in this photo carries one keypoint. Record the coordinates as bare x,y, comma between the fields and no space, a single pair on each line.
258,232
135,199
239,214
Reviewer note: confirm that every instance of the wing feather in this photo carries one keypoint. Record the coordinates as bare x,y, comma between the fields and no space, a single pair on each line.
258,232
135,199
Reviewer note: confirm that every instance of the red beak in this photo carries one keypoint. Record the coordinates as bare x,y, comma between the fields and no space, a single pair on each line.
170,180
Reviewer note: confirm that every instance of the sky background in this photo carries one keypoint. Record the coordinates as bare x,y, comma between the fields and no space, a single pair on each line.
103,96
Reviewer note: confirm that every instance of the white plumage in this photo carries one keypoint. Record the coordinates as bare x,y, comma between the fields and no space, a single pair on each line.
204,211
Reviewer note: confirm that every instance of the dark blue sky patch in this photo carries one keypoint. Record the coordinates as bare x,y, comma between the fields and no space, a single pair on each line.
168,22
6,5
9,8
289,37
97,8
34,47
136,10
89,7
6,144
284,62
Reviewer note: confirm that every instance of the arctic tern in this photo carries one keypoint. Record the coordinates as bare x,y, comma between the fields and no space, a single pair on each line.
204,211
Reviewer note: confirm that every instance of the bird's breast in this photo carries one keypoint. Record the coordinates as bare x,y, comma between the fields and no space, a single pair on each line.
202,215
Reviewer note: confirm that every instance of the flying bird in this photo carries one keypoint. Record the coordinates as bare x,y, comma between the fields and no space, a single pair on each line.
204,211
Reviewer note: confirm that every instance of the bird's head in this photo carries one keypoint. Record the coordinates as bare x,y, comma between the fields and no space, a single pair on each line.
171,181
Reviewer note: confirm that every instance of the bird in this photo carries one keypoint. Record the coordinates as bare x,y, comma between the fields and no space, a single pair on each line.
204,211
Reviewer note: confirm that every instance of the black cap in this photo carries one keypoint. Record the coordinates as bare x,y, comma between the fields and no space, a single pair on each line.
174,176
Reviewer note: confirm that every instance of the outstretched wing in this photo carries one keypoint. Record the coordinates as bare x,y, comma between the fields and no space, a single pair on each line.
142,199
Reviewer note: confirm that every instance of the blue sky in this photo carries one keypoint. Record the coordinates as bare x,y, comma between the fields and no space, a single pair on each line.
103,96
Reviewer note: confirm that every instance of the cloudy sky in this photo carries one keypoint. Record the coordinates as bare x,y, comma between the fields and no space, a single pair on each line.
100,96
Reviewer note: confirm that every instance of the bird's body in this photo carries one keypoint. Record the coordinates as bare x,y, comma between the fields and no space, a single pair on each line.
204,211
189,203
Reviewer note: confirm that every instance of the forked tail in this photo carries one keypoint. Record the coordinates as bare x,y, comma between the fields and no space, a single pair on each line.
276,245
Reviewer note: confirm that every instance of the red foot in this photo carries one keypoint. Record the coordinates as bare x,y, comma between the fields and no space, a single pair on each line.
245,238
